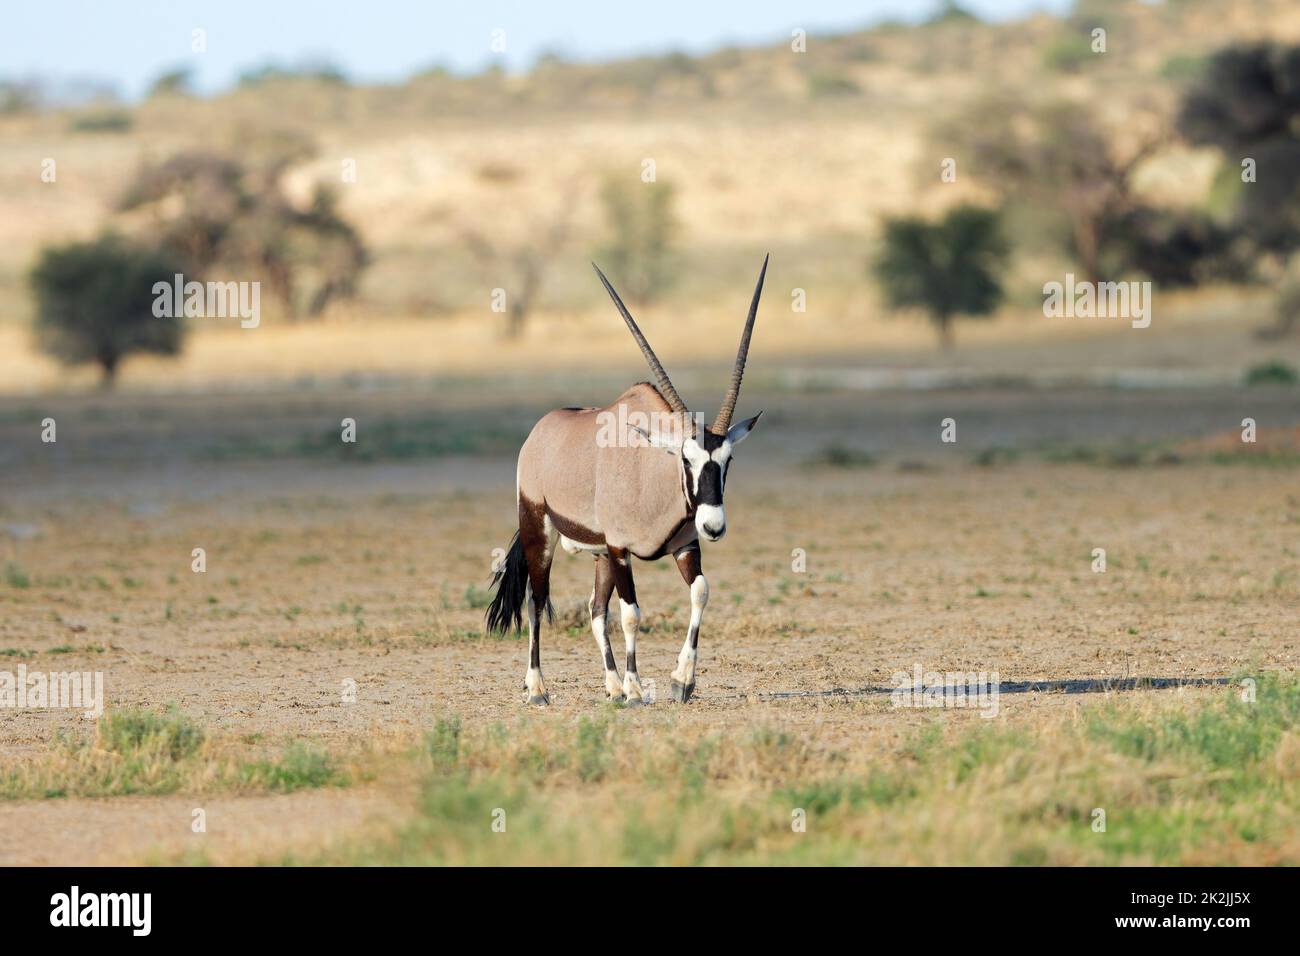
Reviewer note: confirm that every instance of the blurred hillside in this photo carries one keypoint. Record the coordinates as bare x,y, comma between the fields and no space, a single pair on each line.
765,149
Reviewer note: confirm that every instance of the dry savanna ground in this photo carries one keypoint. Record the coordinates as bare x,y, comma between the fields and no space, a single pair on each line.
323,691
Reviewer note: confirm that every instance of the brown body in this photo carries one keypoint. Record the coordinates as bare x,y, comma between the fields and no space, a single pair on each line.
601,492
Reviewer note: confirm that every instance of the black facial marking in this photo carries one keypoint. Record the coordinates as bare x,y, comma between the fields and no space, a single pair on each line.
710,488
711,477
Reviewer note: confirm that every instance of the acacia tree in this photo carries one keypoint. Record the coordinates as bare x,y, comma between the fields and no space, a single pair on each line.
948,268
217,213
1248,106
95,303
1058,157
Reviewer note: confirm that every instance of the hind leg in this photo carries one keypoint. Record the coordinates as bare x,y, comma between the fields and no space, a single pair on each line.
538,539
630,618
599,606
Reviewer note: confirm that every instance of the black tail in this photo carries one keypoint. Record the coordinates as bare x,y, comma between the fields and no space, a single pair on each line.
507,607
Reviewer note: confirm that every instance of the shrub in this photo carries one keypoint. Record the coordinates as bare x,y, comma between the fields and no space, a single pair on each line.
130,732
1272,373
643,227
108,121
95,302
949,268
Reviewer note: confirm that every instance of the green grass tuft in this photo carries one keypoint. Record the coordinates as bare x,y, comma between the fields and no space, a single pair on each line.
301,767
1233,734
135,732
442,744
15,576
1276,372
146,752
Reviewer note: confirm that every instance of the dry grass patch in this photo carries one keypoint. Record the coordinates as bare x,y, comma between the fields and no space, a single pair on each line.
146,752
1181,778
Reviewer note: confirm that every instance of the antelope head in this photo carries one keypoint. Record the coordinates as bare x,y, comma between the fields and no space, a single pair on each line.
704,452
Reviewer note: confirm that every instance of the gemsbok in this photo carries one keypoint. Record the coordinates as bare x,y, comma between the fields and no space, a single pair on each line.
642,478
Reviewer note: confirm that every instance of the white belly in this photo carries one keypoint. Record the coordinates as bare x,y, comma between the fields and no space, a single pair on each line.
577,547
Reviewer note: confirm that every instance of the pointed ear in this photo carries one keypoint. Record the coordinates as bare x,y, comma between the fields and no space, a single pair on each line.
657,441
738,432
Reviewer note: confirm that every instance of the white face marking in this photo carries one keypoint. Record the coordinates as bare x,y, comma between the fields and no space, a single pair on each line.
710,520
697,458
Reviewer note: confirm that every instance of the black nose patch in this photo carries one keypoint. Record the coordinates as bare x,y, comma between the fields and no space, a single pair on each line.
710,489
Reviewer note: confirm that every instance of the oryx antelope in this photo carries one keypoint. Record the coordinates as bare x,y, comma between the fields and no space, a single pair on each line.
642,478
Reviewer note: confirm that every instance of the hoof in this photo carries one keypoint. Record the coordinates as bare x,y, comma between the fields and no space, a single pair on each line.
614,698
634,702
681,692
541,700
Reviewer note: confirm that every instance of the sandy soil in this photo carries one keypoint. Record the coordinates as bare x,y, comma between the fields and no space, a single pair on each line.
150,830
325,572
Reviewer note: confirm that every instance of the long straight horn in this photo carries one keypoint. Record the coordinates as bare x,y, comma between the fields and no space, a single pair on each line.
661,377
723,421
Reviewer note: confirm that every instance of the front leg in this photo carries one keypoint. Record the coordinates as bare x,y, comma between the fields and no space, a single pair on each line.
688,563
600,593
630,618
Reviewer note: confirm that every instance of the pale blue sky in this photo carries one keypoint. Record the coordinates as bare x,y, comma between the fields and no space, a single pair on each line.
129,42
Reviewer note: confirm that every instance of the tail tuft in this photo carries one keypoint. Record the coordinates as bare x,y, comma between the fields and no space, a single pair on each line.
511,581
